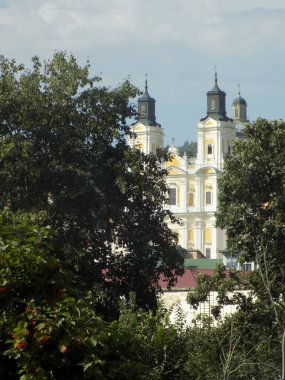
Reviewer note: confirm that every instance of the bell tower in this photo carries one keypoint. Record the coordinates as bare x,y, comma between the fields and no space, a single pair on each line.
216,102
149,135
216,131
146,108
239,108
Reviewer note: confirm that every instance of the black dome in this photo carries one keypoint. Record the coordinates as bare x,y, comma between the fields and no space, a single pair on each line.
238,101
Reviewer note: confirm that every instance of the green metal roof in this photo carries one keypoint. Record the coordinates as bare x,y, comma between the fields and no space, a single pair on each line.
202,263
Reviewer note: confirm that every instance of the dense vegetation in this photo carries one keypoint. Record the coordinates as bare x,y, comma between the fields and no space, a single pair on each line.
72,192
63,152
251,209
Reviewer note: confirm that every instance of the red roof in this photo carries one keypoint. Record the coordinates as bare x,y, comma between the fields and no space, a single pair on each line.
187,280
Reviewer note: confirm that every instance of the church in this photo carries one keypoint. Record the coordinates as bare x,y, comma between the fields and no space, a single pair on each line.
193,181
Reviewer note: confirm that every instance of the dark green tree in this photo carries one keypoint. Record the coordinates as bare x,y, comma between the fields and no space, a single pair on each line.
251,191
63,150
251,209
48,326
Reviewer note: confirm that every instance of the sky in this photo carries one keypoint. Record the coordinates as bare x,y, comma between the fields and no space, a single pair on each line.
176,42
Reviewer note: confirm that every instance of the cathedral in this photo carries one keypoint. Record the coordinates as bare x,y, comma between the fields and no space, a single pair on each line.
193,181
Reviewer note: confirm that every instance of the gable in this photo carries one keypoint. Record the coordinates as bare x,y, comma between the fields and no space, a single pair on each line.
139,128
173,162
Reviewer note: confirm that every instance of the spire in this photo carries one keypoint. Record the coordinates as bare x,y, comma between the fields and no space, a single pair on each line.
146,94
146,87
216,75
238,89
146,107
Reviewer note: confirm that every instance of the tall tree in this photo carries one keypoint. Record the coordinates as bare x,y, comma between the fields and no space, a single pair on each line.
251,191
251,209
63,150
252,200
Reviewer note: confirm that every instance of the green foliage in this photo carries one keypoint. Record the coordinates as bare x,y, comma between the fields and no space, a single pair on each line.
251,209
40,318
189,148
251,192
48,327
71,190
63,151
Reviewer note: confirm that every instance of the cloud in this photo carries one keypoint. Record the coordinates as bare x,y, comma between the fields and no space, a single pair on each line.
177,42
48,12
204,25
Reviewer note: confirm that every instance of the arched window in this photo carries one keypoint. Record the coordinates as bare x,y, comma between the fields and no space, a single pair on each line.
143,110
213,104
210,149
208,197
229,149
172,196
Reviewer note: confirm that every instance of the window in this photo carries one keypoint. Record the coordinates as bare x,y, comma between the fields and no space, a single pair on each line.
143,110
246,267
229,149
231,263
213,104
208,253
172,197
210,149
208,197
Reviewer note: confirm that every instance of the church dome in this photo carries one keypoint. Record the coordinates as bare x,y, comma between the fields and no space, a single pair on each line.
146,109
216,103
238,101
146,96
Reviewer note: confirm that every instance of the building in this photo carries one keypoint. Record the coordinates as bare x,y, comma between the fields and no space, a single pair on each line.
193,180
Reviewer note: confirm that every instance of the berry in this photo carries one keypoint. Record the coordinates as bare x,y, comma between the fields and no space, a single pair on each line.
20,345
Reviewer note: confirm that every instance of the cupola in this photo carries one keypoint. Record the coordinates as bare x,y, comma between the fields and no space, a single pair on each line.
216,103
239,107
146,109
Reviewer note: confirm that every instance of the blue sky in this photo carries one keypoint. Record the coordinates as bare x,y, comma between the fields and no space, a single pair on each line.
177,42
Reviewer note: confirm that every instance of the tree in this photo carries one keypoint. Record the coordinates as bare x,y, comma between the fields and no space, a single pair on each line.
63,151
48,327
251,209
251,191
245,344
189,148
44,329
